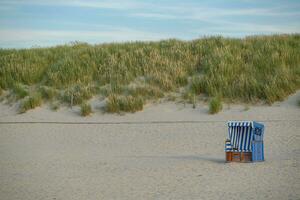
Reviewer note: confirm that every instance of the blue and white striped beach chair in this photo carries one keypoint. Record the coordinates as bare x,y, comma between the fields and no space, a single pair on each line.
245,141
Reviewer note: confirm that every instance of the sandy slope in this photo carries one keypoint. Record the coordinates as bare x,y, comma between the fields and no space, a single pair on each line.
146,160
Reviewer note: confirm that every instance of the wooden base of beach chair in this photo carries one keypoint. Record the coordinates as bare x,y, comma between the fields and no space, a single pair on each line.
238,157
246,157
228,156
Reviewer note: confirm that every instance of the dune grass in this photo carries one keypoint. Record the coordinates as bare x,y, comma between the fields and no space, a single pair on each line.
30,102
19,91
215,105
257,68
146,91
120,103
85,109
48,93
54,105
77,94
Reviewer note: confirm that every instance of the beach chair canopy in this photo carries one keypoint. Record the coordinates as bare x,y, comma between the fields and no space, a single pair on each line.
242,133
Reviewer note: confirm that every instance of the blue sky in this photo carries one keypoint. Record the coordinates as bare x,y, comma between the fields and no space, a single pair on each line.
27,23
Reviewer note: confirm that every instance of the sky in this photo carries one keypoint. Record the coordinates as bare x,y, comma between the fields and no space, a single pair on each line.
42,23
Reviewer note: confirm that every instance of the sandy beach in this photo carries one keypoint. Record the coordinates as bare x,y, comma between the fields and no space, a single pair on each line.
167,151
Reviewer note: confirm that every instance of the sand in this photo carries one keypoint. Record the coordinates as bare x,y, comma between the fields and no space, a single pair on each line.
167,151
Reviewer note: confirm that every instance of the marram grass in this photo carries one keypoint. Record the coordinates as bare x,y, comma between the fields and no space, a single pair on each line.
19,91
30,102
215,105
257,68
85,109
119,103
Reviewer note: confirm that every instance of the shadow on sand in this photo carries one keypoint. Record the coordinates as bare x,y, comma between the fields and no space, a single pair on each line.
217,160
200,158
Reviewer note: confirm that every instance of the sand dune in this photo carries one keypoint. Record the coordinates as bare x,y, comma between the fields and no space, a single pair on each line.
130,158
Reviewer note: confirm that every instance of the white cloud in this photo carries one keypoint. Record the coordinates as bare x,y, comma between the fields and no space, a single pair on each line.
241,29
154,15
158,9
207,13
219,24
106,4
11,37
219,20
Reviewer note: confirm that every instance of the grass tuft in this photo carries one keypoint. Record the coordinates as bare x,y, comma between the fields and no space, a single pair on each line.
30,102
196,87
19,91
85,109
117,103
146,91
54,106
48,93
215,105
77,94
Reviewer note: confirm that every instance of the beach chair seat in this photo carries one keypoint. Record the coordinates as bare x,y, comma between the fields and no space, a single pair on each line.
244,142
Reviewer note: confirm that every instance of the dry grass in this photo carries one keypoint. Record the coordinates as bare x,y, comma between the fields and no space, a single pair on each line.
54,106
119,103
215,105
85,109
262,68
48,93
30,102
19,91
77,94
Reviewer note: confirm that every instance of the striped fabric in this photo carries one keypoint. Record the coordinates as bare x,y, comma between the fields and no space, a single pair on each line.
228,146
240,135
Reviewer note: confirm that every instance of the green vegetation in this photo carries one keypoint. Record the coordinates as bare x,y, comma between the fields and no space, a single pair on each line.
85,109
147,92
30,102
48,93
118,103
215,105
54,106
257,68
77,94
19,91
